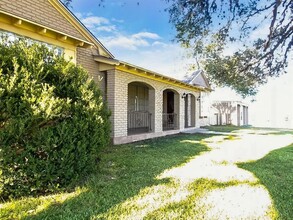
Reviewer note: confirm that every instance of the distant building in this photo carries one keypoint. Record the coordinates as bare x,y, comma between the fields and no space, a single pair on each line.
229,113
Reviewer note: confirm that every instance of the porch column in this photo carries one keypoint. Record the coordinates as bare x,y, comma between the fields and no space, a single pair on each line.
193,114
246,115
197,109
158,110
117,102
181,112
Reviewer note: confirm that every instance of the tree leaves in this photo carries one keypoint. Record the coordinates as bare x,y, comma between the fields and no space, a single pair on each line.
214,25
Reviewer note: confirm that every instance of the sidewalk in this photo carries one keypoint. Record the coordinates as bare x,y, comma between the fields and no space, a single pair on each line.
206,131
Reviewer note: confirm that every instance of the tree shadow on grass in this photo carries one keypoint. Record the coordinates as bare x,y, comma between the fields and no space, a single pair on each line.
275,172
123,172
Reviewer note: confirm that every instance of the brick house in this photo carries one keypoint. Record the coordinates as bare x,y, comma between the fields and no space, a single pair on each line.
144,103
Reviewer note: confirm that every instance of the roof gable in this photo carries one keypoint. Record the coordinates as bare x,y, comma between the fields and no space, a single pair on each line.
80,27
198,78
41,12
54,15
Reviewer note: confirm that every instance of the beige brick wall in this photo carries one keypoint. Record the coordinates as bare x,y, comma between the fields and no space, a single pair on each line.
111,97
84,57
118,98
41,12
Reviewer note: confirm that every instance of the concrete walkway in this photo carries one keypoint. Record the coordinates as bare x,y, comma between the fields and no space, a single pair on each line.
206,131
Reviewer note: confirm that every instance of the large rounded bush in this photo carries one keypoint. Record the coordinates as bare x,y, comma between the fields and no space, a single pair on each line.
53,121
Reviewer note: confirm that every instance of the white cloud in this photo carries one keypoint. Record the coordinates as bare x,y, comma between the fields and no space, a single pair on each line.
109,28
165,58
96,24
117,20
159,43
146,35
93,21
130,42
125,42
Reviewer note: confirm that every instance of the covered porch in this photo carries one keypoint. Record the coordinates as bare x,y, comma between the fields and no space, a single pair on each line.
146,105
140,108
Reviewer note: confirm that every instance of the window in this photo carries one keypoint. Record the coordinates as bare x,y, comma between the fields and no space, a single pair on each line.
11,37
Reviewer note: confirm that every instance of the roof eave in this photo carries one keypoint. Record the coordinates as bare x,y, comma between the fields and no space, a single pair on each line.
83,29
42,28
106,60
158,75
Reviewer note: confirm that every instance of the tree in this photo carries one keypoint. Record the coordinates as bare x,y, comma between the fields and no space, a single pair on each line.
224,108
207,27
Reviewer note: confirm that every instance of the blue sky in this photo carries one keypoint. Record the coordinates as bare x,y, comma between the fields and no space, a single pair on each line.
136,33
142,35
129,16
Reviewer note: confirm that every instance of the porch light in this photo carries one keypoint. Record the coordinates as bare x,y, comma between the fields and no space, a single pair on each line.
184,95
198,98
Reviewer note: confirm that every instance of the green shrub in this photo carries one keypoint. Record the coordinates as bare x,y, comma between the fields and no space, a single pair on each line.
53,121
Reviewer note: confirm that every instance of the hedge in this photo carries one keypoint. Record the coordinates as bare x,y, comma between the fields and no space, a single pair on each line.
53,121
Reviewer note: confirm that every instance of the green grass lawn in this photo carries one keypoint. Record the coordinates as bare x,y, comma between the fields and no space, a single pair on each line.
128,180
123,172
275,172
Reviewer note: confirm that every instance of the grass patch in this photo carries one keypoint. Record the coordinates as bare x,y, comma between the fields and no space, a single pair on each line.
124,172
275,172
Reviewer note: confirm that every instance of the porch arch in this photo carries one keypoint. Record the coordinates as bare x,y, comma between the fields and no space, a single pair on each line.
140,108
171,109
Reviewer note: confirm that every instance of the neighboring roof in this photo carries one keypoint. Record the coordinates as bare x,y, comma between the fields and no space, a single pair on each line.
198,78
124,66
